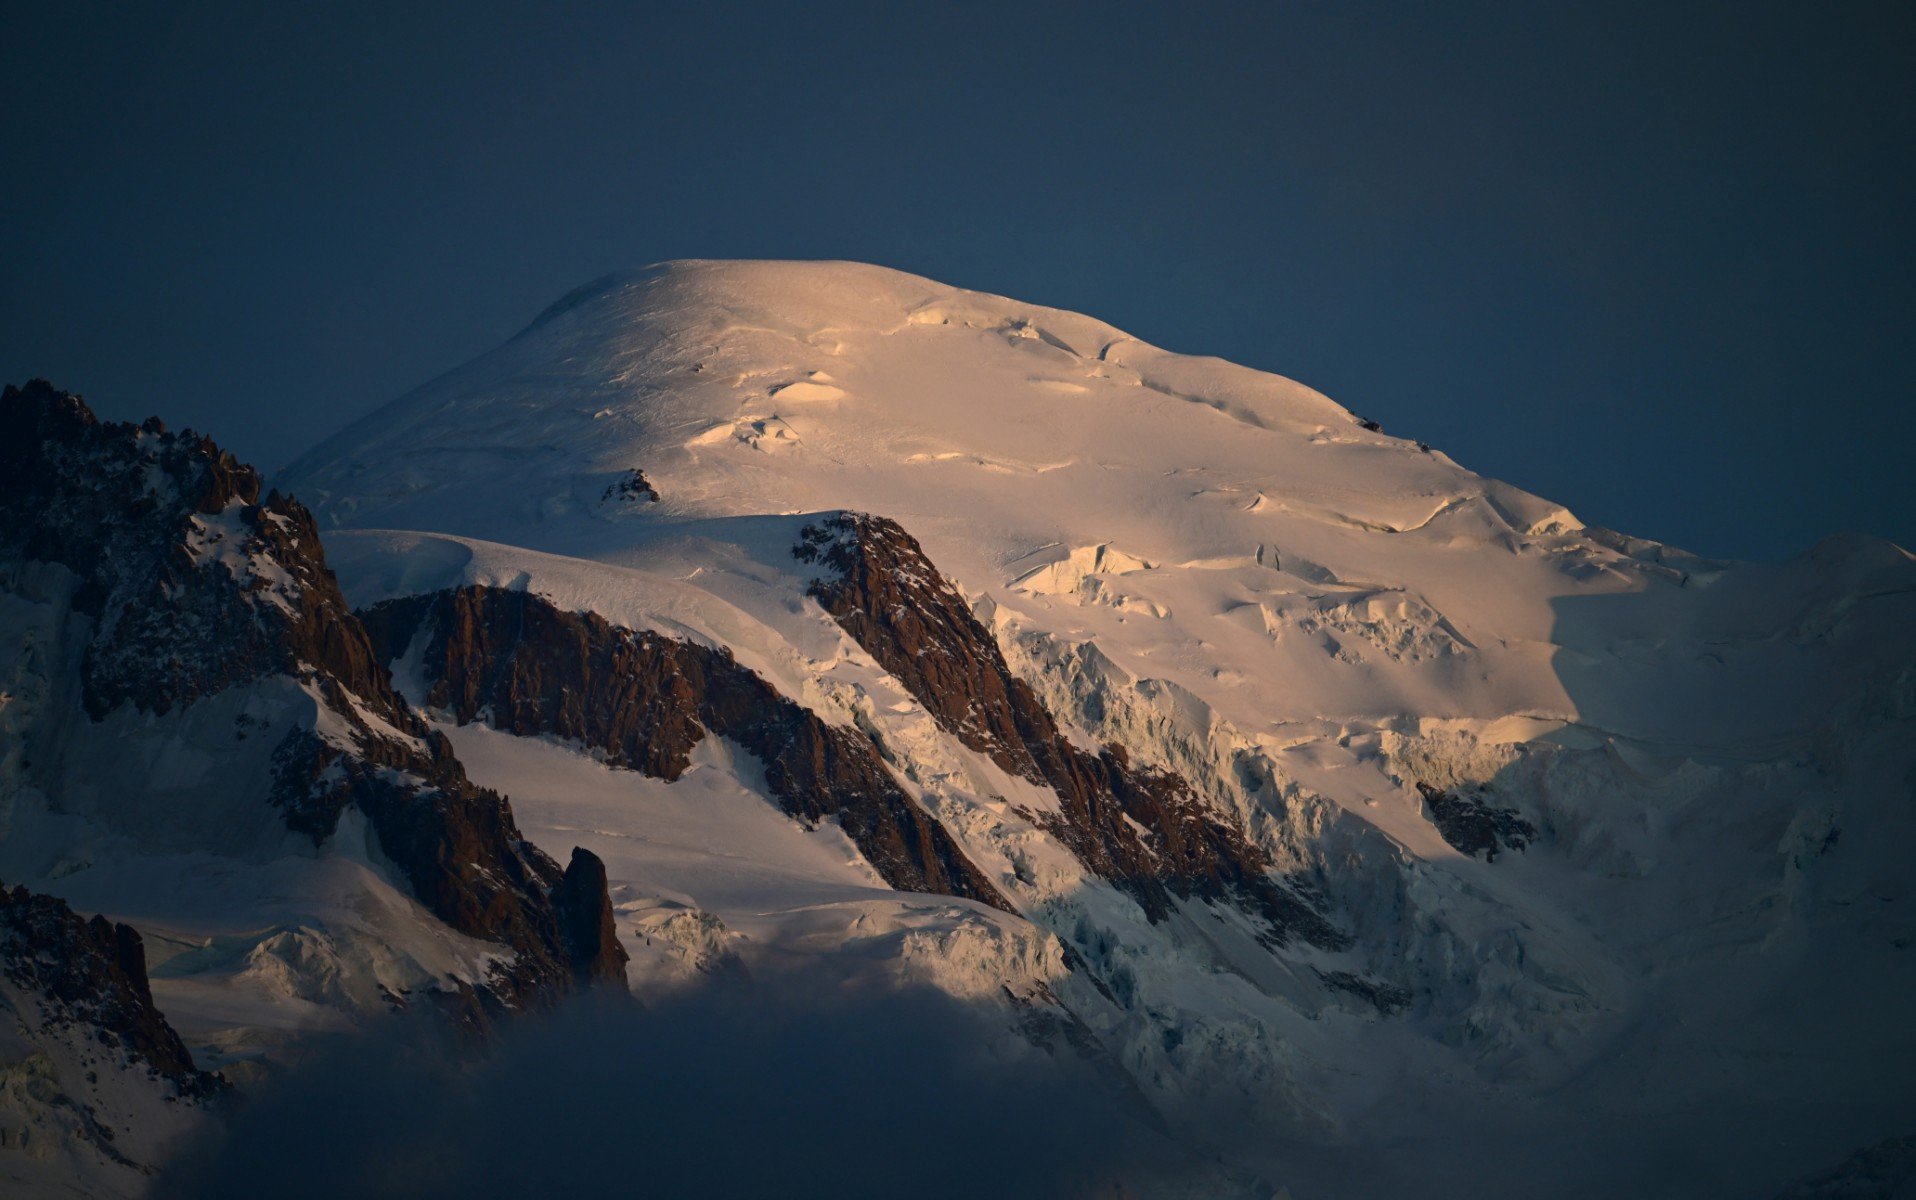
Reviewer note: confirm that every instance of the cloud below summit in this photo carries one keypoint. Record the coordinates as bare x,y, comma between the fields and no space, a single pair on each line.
770,1091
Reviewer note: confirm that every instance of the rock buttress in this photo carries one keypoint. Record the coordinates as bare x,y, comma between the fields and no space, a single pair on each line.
1144,830
642,700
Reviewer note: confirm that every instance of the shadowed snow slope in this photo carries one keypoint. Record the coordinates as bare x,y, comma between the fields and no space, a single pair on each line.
1700,951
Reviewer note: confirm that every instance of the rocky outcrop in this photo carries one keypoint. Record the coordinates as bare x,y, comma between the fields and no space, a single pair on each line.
459,847
1386,998
583,904
631,488
193,584
643,701
89,976
1473,827
1144,830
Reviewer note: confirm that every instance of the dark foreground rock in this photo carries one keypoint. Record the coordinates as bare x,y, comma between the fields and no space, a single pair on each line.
90,976
191,583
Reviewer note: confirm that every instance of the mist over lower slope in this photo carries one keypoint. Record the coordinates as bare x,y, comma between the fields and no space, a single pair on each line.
770,1088
1352,647
1351,821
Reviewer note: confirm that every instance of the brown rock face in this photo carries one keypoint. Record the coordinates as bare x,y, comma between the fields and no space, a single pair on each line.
889,597
521,665
141,515
92,974
583,903
459,847
196,586
1474,827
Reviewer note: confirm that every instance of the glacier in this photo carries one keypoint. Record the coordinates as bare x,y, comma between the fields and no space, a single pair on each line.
1676,966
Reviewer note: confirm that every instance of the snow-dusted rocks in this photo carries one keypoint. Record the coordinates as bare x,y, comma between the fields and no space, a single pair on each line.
93,1081
1292,614
1472,826
872,631
1140,828
200,741
644,702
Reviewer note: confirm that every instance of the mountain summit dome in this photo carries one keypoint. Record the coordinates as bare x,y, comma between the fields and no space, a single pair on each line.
1297,768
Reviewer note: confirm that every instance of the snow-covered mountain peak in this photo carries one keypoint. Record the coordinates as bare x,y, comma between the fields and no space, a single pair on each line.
805,298
1267,763
752,387
1250,537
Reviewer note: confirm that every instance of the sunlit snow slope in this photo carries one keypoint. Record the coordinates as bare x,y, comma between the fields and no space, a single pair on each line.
1234,578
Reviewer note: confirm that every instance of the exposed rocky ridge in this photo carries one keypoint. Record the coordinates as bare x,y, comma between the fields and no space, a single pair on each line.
1144,830
95,1084
462,852
1325,616
514,661
194,585
91,975
1473,827
631,488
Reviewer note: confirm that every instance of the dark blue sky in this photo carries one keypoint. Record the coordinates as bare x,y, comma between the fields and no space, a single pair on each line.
1653,260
